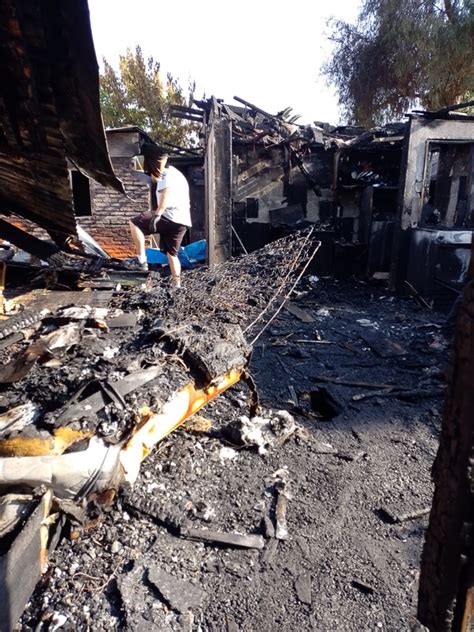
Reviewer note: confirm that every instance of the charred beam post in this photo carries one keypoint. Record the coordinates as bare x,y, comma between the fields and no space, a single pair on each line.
218,178
365,217
402,235
21,567
3,273
29,243
446,592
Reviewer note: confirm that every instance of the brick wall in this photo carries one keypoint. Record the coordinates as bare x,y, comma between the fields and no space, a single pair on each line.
108,224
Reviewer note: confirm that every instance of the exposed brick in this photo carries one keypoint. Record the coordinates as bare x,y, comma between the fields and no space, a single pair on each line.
111,212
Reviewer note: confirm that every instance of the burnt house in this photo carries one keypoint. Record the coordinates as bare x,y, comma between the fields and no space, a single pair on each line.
436,209
268,177
95,371
382,200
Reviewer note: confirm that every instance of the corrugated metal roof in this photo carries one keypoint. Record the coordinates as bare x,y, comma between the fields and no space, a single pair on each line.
49,110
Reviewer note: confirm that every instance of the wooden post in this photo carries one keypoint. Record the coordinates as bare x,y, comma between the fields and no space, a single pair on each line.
3,273
218,178
365,215
447,566
401,234
21,567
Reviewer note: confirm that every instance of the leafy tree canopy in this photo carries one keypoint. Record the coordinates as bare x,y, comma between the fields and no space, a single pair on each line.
401,54
138,94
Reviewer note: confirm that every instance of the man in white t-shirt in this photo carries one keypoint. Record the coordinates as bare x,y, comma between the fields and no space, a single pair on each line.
169,214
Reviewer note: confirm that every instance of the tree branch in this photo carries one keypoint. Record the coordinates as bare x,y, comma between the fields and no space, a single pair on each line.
450,11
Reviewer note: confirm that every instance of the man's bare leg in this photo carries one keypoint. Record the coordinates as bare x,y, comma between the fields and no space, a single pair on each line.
175,267
138,241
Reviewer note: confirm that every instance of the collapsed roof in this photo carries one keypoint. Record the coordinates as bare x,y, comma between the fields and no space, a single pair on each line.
49,111
253,126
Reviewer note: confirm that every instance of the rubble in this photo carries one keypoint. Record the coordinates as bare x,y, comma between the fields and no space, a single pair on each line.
119,390
394,517
282,487
303,588
336,535
181,595
230,539
263,432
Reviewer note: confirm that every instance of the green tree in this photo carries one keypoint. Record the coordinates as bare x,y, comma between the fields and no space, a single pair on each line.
139,94
401,54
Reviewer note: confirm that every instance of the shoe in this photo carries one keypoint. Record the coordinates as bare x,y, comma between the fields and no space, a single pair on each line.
176,282
137,264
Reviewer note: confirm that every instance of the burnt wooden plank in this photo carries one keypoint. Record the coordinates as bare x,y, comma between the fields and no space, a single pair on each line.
21,567
186,109
383,346
53,300
28,243
447,564
188,117
218,174
248,541
303,315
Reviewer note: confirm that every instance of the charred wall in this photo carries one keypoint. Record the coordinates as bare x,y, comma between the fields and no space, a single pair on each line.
272,196
110,212
436,215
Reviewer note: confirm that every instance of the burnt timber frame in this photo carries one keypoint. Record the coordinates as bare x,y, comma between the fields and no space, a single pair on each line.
218,177
446,589
21,567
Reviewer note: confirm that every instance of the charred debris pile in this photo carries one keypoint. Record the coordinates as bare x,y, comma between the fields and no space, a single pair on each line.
87,390
240,522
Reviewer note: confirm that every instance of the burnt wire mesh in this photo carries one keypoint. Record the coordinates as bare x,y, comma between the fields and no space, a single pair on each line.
248,290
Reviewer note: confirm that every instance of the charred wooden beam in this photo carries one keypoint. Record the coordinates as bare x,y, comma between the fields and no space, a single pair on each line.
21,567
256,108
444,112
187,150
218,175
29,243
185,109
187,117
308,177
447,566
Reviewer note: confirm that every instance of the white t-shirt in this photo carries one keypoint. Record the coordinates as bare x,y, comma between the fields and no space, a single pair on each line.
178,206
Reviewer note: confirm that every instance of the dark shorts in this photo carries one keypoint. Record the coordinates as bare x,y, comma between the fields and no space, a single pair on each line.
171,234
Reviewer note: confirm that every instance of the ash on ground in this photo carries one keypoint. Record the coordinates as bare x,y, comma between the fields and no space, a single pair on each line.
348,463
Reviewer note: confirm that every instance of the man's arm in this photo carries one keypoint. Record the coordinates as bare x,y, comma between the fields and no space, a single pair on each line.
163,203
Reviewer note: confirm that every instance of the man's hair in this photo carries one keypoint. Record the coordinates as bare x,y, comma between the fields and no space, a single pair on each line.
153,155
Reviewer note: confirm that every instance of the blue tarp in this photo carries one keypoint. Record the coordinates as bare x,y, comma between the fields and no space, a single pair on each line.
189,255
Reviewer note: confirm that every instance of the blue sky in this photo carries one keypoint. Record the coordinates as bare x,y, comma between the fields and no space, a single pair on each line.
267,52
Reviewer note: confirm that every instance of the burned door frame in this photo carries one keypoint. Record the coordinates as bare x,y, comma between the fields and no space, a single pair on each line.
430,145
424,128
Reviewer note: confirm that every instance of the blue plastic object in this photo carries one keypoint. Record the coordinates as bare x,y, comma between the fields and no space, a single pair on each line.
196,251
188,256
